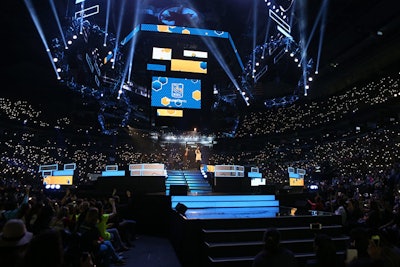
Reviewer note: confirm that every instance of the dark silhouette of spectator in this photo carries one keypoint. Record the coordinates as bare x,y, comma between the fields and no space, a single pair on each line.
90,241
359,241
318,204
341,209
14,240
272,254
325,252
13,208
126,227
44,218
354,214
381,249
373,218
45,250
107,231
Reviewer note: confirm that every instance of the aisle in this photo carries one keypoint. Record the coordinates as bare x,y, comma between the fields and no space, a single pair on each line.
152,251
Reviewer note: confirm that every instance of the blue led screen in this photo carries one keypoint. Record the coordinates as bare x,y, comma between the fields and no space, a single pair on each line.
175,92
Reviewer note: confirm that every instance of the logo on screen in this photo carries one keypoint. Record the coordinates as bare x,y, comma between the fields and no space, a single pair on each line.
177,90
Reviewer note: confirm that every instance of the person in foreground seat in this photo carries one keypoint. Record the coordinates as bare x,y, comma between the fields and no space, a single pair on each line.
272,254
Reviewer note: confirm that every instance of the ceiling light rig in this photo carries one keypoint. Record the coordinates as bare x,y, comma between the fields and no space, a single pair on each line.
81,67
281,43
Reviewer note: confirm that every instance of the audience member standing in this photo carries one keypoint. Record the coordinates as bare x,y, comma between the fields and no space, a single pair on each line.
273,255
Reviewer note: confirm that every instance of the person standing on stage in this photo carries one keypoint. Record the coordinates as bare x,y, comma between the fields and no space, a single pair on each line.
185,157
198,156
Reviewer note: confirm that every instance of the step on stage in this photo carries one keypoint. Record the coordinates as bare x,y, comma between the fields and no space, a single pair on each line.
226,206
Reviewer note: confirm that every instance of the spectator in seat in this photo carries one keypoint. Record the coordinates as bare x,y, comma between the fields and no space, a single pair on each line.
91,242
325,252
45,250
109,233
272,254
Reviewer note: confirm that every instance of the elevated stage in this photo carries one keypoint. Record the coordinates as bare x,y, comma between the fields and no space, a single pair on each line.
209,228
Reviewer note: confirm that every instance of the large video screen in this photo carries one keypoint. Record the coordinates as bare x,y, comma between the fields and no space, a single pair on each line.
58,180
175,93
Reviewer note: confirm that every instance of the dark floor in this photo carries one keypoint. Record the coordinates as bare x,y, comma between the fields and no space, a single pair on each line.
152,251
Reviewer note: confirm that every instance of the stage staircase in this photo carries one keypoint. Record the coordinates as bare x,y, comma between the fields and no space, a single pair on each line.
186,182
227,230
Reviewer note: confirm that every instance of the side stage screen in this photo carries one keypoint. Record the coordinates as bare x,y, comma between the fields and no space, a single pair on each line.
175,93
58,180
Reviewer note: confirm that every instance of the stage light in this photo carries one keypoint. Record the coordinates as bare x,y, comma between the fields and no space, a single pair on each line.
310,79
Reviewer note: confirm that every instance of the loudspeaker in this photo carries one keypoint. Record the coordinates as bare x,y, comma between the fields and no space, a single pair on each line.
178,190
181,208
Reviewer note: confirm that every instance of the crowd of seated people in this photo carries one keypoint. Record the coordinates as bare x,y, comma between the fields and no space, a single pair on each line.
73,227
301,116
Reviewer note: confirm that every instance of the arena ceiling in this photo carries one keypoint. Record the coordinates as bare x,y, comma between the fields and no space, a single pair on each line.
347,42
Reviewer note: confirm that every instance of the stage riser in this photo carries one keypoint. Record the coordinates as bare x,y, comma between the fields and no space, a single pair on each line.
235,242
236,249
247,261
246,235
138,185
279,222
230,204
194,181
